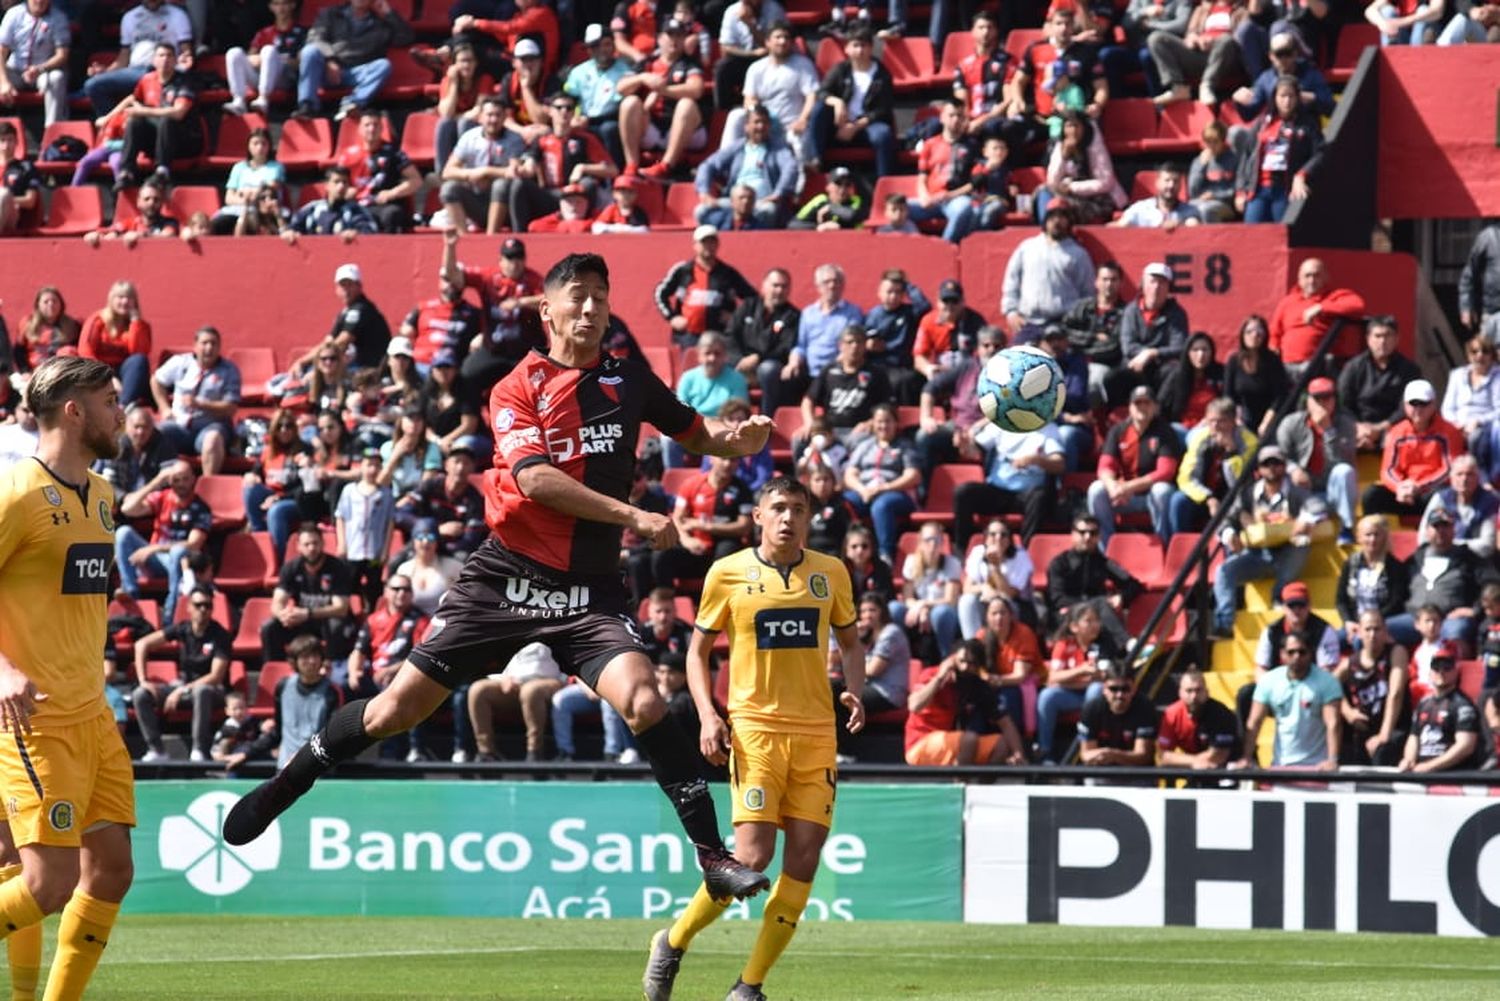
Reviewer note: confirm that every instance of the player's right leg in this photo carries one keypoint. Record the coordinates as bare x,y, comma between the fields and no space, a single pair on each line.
352,728
627,681
23,946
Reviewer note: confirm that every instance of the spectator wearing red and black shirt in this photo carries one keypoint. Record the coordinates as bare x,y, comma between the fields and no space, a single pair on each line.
1446,727
384,177
663,107
980,81
561,156
387,636
702,293
622,214
947,334
945,165
1058,74
161,119
509,294
447,321
1137,468
712,515
1119,725
1196,731
1276,164
634,28
151,219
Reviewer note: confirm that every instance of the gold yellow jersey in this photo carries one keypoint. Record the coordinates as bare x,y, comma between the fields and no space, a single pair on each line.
56,550
778,624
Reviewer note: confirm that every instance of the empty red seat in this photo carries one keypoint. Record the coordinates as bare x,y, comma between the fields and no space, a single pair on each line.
419,138
946,479
1129,125
680,208
663,361
957,47
786,423
891,184
247,563
409,79
1179,128
271,673
909,59
1043,547
73,212
224,496
1138,552
257,366
1353,40
306,144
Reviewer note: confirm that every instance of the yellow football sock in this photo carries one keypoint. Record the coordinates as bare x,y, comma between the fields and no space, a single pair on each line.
24,948
701,912
81,939
777,927
18,908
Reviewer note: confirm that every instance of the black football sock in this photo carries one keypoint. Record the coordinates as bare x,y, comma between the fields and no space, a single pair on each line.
342,739
674,762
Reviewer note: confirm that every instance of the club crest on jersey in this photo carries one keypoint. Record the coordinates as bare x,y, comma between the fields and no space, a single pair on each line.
505,419
104,518
609,385
818,585
755,798
61,816
53,497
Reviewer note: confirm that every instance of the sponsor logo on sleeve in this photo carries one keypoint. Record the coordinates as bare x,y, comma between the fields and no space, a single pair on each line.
504,419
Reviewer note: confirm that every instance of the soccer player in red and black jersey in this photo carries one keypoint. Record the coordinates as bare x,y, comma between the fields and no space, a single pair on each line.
566,425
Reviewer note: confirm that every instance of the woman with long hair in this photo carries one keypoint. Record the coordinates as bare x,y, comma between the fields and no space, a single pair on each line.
247,179
929,605
451,410
1275,166
400,382
329,468
1081,171
272,487
265,215
118,336
1014,656
463,84
1255,379
868,573
1191,384
1471,403
46,331
1075,669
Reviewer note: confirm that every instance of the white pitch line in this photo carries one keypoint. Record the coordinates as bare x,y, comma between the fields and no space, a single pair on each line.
1311,964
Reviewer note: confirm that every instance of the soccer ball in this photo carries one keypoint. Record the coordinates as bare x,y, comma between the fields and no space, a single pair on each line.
1021,389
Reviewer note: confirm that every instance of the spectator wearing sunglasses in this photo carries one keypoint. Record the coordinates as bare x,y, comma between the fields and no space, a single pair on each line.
1118,726
1083,574
203,647
1418,457
1445,729
1298,619
1303,700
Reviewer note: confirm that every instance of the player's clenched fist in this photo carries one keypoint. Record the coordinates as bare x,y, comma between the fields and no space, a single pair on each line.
654,528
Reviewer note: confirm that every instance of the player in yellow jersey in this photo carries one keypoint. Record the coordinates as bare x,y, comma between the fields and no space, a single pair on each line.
778,602
64,772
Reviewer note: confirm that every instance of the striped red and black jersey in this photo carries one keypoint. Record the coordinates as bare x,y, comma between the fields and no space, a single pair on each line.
586,422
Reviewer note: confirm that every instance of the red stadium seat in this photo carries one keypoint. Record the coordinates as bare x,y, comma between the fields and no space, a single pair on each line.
311,192
73,212
189,198
652,199
891,184
946,479
909,59
247,564
673,480
144,608
348,134
1179,548
78,130
263,704
1043,547
1404,542
1471,678
1140,553
409,79
1020,39
247,639
1353,39
958,46
663,361
803,13
224,496
306,144
1129,124
419,138
830,53
234,136
787,423
1179,128
680,208
257,366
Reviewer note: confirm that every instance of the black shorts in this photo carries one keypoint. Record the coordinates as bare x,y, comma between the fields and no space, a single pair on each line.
502,602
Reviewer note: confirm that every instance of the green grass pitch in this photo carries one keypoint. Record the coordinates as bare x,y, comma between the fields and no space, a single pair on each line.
374,959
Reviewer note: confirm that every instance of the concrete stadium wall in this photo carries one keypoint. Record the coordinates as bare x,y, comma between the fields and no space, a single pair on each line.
261,292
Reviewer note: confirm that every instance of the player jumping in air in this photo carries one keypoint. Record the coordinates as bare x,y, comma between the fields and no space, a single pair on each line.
777,601
565,426
65,775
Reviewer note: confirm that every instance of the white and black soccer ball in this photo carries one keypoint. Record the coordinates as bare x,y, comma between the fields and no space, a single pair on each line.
1021,389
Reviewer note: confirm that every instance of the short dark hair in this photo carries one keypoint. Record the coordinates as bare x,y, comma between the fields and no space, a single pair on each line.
499,99
781,25
668,594
573,267
1111,265
336,171
7,130
860,33
201,591
782,484
985,15
311,528
976,652
1169,167
1087,520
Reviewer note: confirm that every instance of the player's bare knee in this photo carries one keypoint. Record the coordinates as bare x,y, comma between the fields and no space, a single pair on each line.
643,709
52,885
753,855
386,716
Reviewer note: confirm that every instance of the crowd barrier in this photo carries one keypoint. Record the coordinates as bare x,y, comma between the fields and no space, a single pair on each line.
263,293
1295,858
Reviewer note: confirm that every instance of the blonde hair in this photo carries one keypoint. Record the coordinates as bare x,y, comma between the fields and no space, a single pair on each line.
60,379
107,314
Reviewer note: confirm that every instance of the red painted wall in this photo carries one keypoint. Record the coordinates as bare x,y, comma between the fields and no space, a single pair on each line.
265,293
1438,153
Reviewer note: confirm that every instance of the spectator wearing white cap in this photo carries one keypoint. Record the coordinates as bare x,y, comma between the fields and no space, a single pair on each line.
1418,456
1153,328
526,86
359,324
595,83
1266,533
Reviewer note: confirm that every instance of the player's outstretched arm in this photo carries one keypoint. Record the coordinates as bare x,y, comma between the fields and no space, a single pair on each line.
716,437
713,735
551,487
853,653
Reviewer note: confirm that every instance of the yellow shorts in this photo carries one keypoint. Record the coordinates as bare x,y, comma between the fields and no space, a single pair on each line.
776,777
58,782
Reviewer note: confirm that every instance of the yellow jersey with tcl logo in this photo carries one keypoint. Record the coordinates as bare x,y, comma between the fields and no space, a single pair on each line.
778,621
56,551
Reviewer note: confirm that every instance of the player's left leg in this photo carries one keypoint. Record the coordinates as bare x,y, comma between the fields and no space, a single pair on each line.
804,843
105,874
627,681
24,945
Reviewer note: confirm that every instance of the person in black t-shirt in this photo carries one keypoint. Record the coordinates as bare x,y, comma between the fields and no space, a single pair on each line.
868,574
848,390
203,647
831,516
452,501
1446,727
1118,727
359,323
311,599
20,184
1374,709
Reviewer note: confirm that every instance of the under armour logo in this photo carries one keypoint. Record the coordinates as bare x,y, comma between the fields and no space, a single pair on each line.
781,920
59,518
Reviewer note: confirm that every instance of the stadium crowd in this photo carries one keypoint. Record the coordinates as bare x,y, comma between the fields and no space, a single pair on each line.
312,520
